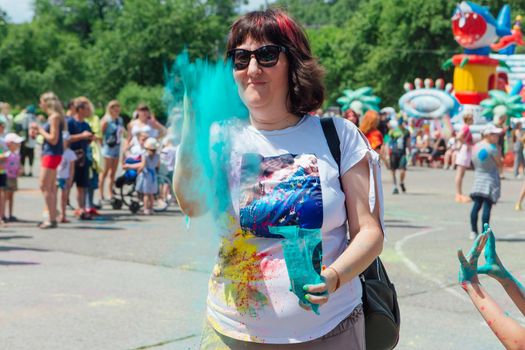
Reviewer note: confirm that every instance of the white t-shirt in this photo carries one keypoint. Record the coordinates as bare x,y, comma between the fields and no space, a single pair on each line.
63,169
296,183
168,157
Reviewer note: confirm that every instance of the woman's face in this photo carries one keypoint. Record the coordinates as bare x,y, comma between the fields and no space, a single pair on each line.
115,110
42,105
493,138
143,115
262,87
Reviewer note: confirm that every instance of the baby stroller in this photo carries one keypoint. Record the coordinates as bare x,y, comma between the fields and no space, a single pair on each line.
126,194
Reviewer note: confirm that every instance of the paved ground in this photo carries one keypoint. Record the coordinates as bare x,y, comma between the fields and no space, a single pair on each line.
133,282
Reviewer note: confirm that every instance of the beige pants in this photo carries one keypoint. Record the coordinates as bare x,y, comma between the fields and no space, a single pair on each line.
348,335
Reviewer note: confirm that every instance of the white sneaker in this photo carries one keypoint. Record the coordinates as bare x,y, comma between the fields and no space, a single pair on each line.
472,236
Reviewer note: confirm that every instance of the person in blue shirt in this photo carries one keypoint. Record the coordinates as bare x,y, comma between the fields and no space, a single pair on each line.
81,136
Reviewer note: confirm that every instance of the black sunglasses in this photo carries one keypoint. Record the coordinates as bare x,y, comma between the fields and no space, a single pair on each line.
266,56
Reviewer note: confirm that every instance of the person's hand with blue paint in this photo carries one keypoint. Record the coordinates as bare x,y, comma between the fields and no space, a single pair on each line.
468,268
495,269
510,333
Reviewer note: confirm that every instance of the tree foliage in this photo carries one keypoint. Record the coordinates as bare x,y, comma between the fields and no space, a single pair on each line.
108,48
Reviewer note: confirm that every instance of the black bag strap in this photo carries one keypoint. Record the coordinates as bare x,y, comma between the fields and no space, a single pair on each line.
332,138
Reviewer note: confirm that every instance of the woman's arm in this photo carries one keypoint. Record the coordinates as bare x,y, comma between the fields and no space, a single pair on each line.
497,159
53,135
366,235
160,128
509,332
130,135
71,173
103,125
495,269
188,180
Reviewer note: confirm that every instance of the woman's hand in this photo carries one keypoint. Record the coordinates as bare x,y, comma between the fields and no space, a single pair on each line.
468,266
321,291
493,266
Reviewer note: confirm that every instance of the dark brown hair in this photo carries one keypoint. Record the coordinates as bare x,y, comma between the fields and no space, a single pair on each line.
305,75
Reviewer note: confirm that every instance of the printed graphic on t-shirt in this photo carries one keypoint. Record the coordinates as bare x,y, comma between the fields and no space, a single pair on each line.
280,191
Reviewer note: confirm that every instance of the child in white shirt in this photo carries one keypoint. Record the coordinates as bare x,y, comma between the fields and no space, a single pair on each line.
65,176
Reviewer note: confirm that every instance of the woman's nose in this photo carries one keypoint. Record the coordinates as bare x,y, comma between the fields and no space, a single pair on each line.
253,66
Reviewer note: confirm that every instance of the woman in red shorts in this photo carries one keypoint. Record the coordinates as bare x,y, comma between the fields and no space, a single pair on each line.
52,150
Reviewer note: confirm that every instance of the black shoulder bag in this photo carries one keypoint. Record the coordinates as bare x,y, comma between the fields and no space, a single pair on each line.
382,319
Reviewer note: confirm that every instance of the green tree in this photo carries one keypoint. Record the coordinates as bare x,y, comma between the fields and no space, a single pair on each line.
81,17
35,57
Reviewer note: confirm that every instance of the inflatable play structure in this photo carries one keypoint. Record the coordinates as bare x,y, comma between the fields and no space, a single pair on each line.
426,100
475,72
360,100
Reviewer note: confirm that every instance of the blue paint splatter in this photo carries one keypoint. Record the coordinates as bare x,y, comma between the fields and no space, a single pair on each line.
483,155
302,250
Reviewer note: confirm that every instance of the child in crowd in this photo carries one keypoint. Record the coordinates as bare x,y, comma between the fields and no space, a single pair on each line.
65,173
3,176
147,183
486,188
168,156
137,149
13,170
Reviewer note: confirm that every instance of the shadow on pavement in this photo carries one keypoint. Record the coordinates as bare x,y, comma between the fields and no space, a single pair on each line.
98,228
7,238
9,249
510,239
9,263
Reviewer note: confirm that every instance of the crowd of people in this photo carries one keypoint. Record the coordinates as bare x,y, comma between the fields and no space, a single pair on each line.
82,150
401,142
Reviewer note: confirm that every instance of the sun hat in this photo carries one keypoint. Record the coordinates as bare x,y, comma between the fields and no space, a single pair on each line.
14,138
151,144
491,129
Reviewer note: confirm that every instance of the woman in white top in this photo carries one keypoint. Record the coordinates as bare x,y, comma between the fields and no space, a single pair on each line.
144,123
112,132
295,184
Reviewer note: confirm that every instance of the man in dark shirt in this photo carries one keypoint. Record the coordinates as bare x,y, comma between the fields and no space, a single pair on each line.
81,136
399,143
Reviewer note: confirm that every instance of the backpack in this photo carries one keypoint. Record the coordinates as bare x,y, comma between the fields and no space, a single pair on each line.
112,139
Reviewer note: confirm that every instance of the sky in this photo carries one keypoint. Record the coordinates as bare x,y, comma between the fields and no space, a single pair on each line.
20,11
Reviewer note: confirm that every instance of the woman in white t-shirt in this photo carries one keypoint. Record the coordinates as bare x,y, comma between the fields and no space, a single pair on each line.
295,184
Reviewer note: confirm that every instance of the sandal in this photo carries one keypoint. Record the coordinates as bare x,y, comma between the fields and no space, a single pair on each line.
48,224
65,221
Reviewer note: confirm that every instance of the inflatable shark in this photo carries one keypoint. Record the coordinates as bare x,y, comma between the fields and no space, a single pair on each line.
475,29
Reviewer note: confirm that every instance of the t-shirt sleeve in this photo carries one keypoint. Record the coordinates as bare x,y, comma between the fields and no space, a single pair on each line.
72,156
354,145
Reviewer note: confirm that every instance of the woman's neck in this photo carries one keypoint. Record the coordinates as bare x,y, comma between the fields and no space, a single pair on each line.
270,121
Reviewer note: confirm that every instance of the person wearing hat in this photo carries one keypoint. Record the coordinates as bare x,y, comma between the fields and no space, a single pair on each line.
147,178
12,167
486,189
